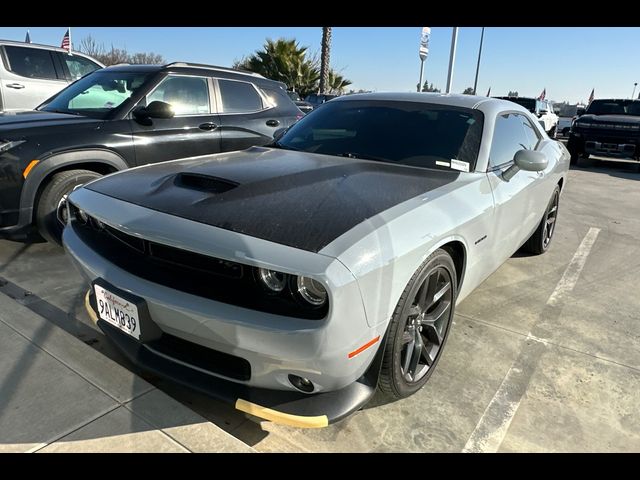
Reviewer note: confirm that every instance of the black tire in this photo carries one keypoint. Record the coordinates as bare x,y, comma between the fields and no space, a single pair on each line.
575,158
439,268
60,185
540,241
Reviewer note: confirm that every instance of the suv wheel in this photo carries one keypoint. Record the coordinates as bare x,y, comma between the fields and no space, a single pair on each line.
50,209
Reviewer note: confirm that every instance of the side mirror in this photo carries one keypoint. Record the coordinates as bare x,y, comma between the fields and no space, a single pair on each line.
556,111
542,112
527,160
580,111
155,109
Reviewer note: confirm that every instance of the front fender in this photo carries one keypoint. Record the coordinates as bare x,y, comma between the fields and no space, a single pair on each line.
57,162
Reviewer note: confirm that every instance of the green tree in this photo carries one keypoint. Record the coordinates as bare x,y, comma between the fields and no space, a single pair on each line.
429,87
286,61
468,91
337,83
325,55
513,94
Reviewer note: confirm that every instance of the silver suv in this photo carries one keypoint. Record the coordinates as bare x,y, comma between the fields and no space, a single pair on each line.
31,73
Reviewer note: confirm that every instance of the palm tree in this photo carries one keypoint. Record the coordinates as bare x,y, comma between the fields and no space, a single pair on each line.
324,58
337,83
284,61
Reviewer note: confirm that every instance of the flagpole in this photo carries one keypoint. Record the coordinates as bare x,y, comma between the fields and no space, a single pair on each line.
475,84
70,44
452,56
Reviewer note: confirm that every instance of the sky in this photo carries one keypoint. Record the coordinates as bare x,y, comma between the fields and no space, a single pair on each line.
566,61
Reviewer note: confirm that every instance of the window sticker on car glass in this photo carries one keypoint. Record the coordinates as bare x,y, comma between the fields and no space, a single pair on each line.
471,121
442,164
459,165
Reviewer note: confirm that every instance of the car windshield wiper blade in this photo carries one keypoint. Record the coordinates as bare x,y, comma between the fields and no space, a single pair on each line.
276,144
69,112
363,156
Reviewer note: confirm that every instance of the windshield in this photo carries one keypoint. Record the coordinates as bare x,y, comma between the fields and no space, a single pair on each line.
410,133
614,107
97,94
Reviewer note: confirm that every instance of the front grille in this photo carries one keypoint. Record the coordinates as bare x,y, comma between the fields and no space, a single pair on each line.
189,272
201,357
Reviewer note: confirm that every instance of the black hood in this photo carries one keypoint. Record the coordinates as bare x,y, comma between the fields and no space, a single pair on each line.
299,199
38,119
596,119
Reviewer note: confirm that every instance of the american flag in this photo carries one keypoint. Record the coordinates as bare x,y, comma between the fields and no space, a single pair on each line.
591,96
489,92
66,40
543,94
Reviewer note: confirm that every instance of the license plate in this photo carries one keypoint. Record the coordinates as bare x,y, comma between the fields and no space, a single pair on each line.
117,311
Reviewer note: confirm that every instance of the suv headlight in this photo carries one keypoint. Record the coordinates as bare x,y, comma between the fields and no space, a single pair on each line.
6,145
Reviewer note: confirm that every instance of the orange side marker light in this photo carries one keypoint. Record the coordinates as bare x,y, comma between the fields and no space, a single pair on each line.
364,347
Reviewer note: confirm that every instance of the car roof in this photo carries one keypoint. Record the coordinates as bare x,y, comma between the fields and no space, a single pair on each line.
487,105
46,47
34,45
194,68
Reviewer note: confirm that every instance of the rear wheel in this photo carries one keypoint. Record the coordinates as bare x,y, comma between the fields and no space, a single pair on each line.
50,211
541,239
419,327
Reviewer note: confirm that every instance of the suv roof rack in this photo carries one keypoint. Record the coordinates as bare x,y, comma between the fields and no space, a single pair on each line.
211,67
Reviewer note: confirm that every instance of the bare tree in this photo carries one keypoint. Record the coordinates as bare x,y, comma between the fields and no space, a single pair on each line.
114,56
324,58
91,47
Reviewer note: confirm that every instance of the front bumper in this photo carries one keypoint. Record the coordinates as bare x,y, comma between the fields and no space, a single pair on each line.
284,407
592,143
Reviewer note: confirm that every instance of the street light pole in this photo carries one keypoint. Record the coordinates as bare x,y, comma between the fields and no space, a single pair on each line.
452,55
634,90
475,83
421,73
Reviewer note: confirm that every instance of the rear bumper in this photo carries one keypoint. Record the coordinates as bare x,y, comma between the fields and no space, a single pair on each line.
283,407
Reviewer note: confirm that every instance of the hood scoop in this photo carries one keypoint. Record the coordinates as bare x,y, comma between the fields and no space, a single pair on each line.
204,183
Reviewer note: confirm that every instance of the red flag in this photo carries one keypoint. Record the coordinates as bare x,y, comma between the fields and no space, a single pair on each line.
66,41
543,94
489,92
591,96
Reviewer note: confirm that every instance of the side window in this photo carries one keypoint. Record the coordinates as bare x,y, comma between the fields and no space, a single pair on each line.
530,132
31,62
79,66
508,137
187,95
239,97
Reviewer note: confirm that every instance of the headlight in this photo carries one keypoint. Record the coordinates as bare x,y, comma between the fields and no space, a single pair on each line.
272,280
8,145
312,291
82,216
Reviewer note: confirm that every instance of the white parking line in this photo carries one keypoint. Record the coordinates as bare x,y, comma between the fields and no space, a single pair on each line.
496,419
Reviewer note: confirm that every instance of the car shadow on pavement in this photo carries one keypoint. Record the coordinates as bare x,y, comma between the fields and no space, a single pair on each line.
625,170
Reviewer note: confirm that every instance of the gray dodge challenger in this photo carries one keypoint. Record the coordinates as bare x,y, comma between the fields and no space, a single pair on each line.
294,280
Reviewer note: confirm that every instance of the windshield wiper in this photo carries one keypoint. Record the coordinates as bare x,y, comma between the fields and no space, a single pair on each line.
363,156
276,144
64,111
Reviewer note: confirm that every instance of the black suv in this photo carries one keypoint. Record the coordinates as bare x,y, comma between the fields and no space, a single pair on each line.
123,116
609,128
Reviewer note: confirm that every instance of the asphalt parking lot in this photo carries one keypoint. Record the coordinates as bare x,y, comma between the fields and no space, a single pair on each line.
543,356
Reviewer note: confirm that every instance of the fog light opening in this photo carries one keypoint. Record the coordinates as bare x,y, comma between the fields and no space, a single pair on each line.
303,384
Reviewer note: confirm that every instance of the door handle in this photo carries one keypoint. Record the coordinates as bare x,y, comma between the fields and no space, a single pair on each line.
207,126
273,123
17,86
